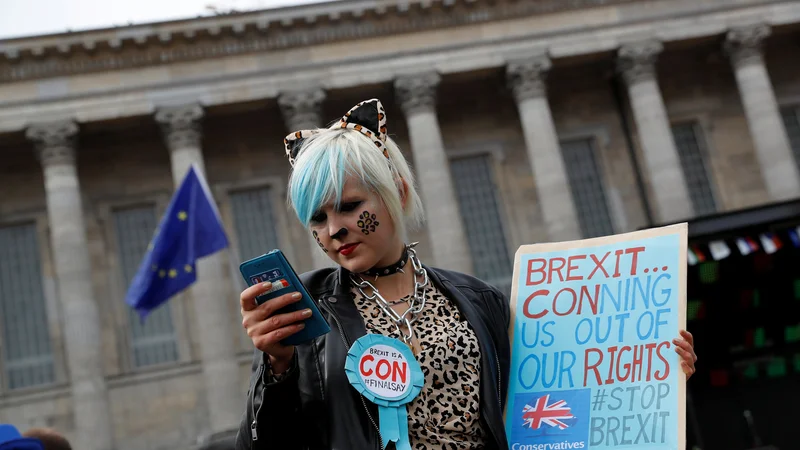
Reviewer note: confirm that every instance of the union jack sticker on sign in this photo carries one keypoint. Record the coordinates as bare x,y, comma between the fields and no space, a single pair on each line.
543,412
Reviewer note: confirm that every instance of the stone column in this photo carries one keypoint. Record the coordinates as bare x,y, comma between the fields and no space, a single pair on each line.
667,182
211,293
301,110
773,149
527,81
55,145
417,97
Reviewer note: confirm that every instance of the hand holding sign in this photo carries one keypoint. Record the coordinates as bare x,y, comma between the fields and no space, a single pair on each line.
685,348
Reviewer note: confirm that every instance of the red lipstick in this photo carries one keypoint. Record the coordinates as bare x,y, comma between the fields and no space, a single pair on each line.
348,249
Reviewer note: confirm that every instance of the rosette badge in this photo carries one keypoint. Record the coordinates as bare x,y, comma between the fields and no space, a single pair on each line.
385,372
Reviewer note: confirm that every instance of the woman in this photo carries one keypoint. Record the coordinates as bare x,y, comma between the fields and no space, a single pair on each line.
352,188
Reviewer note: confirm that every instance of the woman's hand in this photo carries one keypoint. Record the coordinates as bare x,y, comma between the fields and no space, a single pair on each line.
684,347
267,329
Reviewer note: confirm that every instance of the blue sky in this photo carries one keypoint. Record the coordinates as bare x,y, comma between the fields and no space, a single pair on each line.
32,17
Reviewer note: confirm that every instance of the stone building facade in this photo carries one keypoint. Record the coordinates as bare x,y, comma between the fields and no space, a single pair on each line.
524,121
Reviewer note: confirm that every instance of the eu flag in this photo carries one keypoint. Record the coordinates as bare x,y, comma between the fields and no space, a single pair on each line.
190,229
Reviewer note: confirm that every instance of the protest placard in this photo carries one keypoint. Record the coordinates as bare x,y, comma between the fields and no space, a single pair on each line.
593,365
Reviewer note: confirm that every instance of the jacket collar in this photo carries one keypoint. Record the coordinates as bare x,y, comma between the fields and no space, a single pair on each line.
337,297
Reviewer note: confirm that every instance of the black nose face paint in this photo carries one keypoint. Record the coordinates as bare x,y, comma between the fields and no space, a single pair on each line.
316,236
339,234
367,222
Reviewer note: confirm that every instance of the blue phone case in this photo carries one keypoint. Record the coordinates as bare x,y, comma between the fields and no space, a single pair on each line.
275,268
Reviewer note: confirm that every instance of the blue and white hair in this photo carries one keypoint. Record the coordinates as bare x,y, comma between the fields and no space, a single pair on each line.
329,158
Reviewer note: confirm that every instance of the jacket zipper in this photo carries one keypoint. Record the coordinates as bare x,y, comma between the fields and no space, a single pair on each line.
254,424
347,345
499,396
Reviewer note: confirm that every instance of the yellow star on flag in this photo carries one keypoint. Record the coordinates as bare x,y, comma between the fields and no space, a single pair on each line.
154,267
162,273
182,215
173,273
187,268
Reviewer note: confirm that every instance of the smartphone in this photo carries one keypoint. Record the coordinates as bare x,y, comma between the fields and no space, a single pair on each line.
275,268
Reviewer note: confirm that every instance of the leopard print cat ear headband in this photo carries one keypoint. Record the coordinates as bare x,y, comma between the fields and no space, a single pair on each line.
367,117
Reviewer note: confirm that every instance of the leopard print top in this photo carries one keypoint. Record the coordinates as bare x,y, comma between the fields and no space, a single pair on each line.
446,413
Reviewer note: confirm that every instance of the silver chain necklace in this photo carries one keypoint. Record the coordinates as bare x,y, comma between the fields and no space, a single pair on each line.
417,302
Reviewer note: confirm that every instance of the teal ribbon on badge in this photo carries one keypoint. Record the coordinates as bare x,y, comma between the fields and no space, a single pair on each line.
385,372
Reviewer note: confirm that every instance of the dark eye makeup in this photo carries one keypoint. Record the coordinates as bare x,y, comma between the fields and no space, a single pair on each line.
350,206
318,217
345,207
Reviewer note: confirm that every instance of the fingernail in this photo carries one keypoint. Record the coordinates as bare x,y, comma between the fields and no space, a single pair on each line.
306,312
266,285
301,326
297,295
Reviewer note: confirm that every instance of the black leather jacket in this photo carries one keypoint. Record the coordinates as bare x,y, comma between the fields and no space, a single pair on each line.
315,407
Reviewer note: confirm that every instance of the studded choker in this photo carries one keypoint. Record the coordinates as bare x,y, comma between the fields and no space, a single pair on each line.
389,270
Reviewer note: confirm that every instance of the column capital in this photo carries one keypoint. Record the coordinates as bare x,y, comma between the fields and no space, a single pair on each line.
527,78
417,92
637,61
743,44
55,142
302,109
181,125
